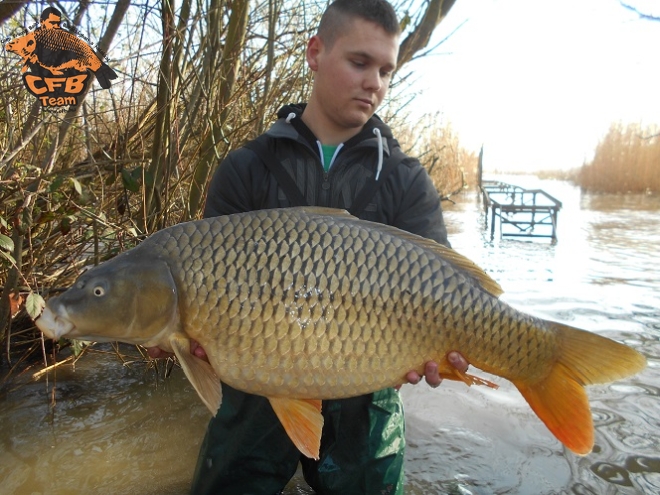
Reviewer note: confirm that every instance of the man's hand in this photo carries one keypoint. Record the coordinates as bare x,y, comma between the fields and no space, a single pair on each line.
431,370
195,349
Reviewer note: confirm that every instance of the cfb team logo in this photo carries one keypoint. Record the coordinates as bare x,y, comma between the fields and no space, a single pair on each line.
57,64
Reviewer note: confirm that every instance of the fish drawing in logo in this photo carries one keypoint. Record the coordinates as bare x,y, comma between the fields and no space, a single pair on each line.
56,50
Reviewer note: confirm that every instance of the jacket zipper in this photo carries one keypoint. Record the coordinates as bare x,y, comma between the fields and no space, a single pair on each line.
325,189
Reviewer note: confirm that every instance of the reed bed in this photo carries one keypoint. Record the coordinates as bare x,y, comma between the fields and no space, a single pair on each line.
627,160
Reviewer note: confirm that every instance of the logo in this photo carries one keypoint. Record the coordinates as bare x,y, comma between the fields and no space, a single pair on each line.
57,64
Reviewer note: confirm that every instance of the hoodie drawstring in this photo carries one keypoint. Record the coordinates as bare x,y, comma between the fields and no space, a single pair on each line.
376,131
380,152
334,155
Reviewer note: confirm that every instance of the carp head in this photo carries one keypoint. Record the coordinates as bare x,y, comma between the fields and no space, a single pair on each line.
131,298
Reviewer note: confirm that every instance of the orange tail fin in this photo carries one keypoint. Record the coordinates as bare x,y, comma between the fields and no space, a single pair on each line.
560,399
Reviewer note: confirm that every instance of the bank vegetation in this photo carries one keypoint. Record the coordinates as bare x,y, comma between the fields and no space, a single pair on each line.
196,80
626,160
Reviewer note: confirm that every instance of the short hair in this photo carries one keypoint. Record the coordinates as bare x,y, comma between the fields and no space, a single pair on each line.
45,14
339,13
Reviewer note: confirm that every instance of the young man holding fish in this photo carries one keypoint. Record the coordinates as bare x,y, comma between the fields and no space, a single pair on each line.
331,147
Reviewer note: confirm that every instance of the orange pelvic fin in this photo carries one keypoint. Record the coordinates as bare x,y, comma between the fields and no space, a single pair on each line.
560,400
303,422
448,372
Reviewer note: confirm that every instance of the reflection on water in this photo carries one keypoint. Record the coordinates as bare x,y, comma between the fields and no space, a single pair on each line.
116,429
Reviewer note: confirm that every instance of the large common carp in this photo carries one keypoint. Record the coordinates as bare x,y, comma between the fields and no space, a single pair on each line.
305,304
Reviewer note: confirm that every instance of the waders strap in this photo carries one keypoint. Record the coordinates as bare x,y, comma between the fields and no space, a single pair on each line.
370,189
283,178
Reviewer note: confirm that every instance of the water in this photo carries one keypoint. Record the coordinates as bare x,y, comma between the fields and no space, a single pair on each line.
601,275
113,429
118,428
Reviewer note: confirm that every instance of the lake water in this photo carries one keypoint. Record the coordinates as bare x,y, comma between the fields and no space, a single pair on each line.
107,427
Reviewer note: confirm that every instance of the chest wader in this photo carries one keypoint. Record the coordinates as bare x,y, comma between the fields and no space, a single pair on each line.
246,450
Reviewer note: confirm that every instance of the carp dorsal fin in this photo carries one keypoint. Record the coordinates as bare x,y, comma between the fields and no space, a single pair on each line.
303,422
465,264
199,372
325,211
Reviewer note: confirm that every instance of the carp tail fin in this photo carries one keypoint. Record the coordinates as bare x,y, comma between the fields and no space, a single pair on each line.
560,400
562,404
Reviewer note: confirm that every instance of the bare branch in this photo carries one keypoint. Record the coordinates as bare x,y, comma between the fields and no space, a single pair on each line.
421,35
641,15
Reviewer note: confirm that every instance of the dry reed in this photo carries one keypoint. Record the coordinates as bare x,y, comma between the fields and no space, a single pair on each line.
451,167
627,160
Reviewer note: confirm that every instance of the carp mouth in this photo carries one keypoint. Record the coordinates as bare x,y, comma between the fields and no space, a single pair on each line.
53,325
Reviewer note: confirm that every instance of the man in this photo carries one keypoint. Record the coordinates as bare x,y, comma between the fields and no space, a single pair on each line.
330,151
51,18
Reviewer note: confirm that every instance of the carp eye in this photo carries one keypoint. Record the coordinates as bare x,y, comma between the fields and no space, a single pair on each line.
99,291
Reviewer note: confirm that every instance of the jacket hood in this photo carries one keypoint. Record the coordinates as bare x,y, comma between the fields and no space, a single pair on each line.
290,125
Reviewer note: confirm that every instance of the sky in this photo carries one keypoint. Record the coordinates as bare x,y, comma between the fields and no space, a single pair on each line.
539,82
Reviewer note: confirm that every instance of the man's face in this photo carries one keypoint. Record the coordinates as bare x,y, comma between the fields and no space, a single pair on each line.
353,75
53,22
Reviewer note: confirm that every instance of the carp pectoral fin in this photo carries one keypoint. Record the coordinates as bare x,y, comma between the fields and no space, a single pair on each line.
560,400
448,372
199,373
303,422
